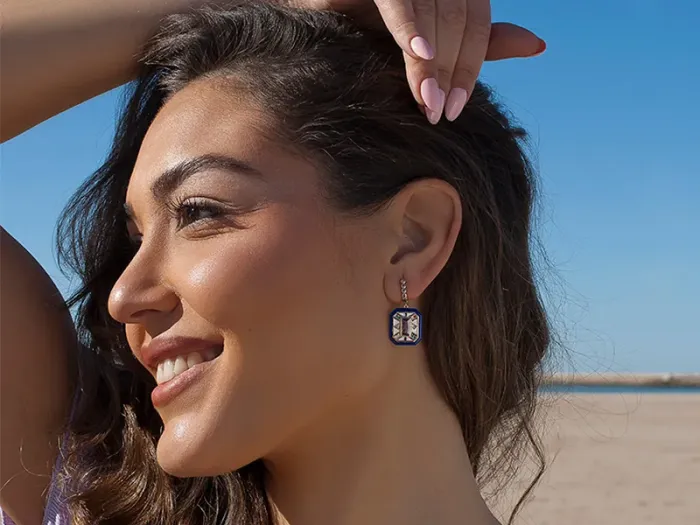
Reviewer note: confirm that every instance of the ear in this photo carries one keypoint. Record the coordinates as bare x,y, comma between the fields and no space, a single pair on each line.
426,217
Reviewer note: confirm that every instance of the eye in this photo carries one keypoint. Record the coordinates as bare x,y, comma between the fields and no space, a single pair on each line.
192,211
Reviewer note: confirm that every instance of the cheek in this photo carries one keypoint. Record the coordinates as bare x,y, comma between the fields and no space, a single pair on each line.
135,335
234,278
294,296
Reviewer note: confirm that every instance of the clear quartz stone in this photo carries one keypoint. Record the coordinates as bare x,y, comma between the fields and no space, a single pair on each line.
405,327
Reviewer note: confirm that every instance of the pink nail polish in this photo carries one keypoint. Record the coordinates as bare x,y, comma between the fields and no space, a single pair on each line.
455,103
434,116
430,93
421,47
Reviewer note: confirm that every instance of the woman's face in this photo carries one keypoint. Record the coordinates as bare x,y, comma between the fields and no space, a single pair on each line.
242,258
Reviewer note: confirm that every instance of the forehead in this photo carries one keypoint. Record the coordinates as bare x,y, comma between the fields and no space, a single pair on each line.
204,118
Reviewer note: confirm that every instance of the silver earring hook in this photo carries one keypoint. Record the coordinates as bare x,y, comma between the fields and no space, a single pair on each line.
404,292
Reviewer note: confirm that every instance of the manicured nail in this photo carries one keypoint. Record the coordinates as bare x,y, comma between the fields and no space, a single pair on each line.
430,93
541,49
434,116
420,47
455,103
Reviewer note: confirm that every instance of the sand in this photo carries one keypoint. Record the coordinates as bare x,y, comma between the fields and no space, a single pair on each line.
619,459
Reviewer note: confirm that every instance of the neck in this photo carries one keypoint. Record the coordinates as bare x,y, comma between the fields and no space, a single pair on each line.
396,456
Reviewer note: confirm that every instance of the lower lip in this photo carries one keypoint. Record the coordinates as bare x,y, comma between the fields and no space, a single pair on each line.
167,392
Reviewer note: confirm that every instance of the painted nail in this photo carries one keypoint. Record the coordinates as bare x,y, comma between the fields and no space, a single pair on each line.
541,49
434,116
420,47
430,93
455,103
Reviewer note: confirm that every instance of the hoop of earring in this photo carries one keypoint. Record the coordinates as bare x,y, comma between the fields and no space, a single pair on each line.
405,323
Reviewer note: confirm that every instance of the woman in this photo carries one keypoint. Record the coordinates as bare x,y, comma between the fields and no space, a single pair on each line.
334,298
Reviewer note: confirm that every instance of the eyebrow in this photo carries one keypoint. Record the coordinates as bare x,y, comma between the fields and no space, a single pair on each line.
176,175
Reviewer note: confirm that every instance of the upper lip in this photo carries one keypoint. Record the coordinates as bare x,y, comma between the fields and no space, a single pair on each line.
161,348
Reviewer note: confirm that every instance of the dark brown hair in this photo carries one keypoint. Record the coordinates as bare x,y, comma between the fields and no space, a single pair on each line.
338,95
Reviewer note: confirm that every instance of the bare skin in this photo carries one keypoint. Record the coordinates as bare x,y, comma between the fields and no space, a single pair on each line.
36,375
54,56
351,430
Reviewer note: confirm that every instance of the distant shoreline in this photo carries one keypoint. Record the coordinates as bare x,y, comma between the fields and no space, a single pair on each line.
668,380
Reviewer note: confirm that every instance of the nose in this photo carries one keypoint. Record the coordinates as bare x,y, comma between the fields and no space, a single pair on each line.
141,290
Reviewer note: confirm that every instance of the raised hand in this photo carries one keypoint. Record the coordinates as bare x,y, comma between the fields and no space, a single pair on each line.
445,43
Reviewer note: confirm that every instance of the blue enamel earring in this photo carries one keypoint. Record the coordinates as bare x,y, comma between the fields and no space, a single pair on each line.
405,323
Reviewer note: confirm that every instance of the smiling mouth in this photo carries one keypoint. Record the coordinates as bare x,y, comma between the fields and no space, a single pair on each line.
169,369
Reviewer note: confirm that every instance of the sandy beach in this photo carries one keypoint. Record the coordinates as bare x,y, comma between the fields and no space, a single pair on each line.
618,459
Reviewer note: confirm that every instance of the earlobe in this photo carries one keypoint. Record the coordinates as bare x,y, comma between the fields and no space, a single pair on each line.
429,215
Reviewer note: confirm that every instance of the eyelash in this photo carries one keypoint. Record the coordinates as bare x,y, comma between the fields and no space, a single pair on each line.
179,210
182,207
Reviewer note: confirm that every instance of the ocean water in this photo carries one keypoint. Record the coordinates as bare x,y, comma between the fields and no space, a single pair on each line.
584,389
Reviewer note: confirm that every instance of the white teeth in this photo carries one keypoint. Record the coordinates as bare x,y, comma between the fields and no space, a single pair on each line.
180,365
171,368
168,372
194,359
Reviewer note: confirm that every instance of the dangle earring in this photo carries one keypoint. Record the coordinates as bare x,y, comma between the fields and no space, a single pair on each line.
405,323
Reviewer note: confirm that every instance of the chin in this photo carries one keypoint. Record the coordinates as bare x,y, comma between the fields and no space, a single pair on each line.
186,456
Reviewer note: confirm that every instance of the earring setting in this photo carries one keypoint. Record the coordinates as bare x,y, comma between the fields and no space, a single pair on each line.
405,323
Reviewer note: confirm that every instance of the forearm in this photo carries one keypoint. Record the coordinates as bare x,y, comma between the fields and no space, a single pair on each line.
55,54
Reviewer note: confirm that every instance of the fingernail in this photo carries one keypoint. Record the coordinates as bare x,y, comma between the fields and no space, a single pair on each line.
541,49
434,116
420,47
455,103
430,93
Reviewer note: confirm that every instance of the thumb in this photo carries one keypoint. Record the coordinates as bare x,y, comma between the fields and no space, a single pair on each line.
511,41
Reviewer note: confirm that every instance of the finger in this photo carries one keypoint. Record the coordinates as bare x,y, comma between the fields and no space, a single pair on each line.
413,28
511,41
423,74
422,80
451,23
400,19
424,11
471,56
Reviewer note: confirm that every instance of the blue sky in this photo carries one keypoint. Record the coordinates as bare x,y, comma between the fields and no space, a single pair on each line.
613,112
